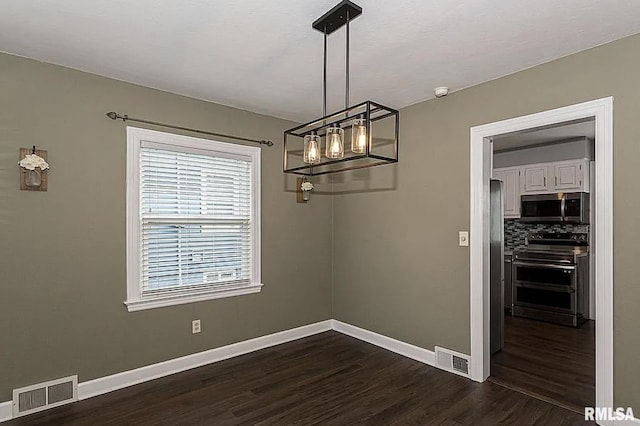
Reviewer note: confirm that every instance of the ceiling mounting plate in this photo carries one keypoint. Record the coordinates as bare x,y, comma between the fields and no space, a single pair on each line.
337,17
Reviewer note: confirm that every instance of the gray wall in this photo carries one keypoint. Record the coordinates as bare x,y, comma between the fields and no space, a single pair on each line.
62,252
568,150
398,269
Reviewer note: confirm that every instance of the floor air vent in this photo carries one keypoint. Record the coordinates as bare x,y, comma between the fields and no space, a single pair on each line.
454,362
42,396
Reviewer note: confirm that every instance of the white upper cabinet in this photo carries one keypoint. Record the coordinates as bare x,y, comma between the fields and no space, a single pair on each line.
559,176
546,178
535,179
571,175
510,177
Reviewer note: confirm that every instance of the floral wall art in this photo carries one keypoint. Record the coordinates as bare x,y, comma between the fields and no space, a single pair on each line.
33,169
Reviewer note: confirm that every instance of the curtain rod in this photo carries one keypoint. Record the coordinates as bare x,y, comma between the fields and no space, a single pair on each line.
124,117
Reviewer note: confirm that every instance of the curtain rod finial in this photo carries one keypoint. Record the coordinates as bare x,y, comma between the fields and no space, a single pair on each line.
112,115
267,143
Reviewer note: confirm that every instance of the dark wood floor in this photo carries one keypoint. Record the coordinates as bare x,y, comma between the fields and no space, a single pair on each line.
550,361
327,379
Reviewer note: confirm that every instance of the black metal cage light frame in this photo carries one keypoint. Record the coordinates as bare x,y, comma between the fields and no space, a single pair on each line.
373,128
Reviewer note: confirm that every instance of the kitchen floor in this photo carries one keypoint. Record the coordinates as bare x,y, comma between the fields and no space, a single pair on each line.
551,362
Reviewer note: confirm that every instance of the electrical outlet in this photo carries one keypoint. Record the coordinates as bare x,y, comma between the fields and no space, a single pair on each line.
463,238
195,326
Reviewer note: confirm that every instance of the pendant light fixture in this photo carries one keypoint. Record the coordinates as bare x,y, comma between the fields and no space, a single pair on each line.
372,127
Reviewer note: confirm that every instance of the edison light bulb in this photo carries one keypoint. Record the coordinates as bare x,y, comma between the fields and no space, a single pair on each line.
335,147
314,152
335,144
311,153
359,136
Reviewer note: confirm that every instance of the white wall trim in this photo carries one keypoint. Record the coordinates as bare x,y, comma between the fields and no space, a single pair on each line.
480,171
124,379
6,411
405,349
139,305
143,374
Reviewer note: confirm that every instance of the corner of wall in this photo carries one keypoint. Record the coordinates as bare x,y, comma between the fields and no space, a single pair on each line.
333,252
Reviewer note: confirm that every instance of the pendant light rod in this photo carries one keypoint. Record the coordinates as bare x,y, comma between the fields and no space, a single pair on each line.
346,84
324,76
341,14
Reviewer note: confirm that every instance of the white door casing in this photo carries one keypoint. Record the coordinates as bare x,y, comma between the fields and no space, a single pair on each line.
480,171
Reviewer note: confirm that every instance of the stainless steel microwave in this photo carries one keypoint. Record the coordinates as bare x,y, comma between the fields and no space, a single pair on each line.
567,207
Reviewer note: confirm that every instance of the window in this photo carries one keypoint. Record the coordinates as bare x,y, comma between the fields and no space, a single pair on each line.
193,219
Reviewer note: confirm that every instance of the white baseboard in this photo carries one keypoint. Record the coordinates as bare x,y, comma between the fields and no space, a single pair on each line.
406,349
117,381
6,411
143,374
124,379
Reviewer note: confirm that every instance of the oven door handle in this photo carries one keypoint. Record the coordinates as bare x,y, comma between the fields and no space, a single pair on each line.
546,287
544,265
541,261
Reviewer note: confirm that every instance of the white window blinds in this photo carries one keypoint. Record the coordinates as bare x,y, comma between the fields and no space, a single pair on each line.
195,220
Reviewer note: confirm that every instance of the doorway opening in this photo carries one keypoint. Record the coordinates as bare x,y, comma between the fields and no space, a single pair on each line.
542,300
530,300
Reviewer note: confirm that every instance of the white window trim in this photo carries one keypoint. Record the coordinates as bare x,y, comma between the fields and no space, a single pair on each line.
135,136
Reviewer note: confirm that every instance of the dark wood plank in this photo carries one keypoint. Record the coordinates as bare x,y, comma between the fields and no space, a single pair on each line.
324,379
552,362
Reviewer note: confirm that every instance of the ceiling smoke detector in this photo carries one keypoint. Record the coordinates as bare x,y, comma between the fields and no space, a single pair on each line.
441,92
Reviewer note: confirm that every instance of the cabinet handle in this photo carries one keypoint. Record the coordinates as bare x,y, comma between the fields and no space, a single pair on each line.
544,182
556,180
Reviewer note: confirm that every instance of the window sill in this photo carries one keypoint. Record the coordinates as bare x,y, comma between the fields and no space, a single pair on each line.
159,302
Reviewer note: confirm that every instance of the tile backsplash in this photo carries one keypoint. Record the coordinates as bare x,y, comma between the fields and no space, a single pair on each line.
515,232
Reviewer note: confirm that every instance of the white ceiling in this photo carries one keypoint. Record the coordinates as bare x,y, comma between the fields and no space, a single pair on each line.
263,55
545,135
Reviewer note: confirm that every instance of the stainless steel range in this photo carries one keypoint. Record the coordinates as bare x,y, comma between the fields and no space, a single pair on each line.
551,278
